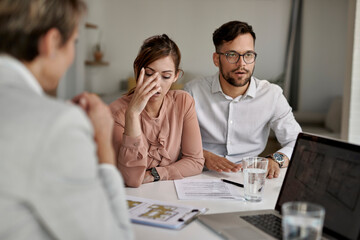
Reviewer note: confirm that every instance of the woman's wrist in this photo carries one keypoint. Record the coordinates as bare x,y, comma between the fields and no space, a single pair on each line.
131,114
105,152
132,124
148,177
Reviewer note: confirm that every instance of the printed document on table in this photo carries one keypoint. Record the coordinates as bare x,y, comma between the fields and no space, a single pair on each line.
206,189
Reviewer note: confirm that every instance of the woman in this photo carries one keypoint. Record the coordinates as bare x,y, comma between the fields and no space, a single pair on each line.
156,133
58,178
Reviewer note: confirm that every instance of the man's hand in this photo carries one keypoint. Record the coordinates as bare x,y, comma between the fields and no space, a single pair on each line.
273,169
219,164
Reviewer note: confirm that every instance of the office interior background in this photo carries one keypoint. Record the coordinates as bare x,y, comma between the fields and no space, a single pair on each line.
328,87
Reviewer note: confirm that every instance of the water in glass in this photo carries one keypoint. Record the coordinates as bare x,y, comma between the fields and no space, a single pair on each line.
301,228
254,181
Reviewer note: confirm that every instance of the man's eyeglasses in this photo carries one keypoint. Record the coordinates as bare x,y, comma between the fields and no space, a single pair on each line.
234,57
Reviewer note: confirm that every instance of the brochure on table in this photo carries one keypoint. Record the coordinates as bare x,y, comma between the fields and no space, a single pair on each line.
161,214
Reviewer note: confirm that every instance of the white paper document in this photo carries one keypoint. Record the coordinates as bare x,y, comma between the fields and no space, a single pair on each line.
206,189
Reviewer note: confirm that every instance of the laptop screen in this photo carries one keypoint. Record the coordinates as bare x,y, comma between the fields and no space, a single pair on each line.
326,172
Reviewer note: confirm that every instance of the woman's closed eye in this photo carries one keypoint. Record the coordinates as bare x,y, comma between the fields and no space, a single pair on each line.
166,76
149,74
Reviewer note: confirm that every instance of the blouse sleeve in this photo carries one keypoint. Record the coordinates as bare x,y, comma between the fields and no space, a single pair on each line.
192,160
131,155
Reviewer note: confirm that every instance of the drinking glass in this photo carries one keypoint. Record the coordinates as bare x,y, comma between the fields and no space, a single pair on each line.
302,220
255,170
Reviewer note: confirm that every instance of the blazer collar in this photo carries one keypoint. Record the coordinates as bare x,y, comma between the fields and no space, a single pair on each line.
13,66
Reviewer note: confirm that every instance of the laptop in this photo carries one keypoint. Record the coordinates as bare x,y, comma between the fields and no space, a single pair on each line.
323,171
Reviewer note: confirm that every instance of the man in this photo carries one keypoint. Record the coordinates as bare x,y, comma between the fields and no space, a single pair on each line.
57,174
236,110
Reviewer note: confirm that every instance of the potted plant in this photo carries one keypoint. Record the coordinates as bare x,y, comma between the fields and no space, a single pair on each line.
98,53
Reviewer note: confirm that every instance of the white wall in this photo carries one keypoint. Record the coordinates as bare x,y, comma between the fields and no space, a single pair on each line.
73,81
323,54
354,120
190,23
124,24
351,111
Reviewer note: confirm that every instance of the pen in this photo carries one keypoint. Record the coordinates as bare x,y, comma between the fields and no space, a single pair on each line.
196,211
233,183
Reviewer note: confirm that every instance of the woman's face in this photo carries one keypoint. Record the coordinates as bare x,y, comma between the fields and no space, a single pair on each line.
166,68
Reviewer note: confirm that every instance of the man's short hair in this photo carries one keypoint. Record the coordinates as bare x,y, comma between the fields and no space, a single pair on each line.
229,31
24,22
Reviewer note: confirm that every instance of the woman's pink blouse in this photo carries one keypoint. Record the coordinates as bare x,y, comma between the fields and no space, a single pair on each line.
171,142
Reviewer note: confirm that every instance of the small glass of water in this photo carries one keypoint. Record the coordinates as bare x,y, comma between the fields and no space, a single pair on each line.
302,220
254,170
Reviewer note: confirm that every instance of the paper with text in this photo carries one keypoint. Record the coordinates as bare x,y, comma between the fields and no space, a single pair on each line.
206,189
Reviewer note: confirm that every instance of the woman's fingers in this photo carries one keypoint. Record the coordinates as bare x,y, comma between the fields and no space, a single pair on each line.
150,93
154,84
81,100
141,77
141,86
143,93
146,87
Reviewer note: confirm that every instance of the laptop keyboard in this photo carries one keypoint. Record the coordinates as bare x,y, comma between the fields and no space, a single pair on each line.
268,223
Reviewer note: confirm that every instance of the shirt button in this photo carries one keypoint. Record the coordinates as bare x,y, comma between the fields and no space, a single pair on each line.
229,142
136,144
231,122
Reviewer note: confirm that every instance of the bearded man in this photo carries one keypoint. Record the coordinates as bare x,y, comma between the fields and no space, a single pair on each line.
236,110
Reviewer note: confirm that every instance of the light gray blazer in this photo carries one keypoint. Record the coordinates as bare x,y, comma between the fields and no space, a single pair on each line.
51,186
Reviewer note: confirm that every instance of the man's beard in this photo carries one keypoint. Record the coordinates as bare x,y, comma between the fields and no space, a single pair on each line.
232,81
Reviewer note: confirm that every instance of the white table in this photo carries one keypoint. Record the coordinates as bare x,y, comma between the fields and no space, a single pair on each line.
165,191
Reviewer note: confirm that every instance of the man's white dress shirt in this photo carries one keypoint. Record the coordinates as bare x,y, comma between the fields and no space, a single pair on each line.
239,127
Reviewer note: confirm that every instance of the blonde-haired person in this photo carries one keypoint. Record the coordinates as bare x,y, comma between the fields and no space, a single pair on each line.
156,133
57,175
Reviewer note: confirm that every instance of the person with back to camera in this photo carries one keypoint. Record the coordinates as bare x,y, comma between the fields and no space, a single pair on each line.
58,179
236,110
156,133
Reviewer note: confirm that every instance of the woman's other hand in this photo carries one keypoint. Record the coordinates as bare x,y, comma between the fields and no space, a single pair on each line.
103,123
148,177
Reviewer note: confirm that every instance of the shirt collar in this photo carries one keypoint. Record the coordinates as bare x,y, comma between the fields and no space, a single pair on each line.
251,91
216,87
9,62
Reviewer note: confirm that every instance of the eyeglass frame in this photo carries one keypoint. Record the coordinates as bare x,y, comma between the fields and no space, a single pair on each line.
240,55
